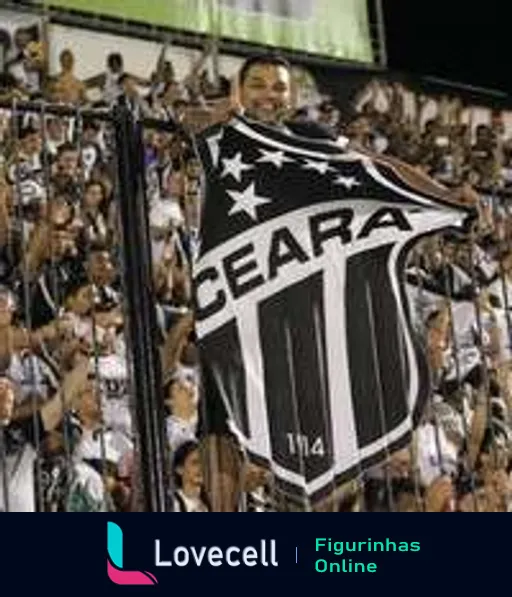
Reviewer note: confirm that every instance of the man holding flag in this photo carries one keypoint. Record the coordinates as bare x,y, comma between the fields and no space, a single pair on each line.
308,354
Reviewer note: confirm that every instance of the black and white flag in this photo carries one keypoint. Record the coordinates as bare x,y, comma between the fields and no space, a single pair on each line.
302,317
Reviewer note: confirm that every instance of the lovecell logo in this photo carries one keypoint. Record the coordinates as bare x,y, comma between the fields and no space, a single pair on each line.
115,561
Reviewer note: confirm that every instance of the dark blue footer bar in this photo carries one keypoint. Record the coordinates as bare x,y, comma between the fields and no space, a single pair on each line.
226,554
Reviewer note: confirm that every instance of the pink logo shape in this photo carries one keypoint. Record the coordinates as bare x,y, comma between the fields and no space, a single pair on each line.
115,561
129,577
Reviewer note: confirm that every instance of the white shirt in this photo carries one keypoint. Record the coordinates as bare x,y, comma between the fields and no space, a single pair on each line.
117,446
434,450
496,289
32,375
20,481
180,431
88,484
191,504
502,322
111,90
115,399
469,355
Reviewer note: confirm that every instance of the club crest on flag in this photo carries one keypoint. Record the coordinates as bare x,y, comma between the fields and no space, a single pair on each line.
301,313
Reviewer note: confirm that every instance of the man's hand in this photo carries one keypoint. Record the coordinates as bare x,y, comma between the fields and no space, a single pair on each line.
464,195
439,495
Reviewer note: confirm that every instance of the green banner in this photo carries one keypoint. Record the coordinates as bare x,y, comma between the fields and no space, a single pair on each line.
334,28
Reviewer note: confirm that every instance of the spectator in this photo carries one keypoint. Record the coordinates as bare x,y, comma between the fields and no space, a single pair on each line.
22,436
181,403
95,213
27,64
111,81
66,87
189,495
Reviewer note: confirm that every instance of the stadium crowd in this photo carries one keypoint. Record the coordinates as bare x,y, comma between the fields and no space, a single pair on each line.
66,430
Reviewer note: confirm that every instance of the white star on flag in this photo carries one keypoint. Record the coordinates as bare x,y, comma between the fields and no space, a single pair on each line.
273,157
246,201
213,146
320,167
235,166
347,181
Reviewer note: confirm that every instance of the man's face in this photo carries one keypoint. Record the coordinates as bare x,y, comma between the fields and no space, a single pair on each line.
90,134
463,257
157,140
93,196
192,472
101,268
67,61
6,310
265,93
32,144
62,244
22,39
68,162
168,73
115,65
82,301
106,340
55,128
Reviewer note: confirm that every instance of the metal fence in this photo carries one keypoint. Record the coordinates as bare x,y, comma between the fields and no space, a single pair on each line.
79,347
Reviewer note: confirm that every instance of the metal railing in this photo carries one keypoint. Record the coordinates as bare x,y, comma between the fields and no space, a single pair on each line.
134,252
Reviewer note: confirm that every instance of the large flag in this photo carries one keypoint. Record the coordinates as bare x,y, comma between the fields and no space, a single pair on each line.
302,318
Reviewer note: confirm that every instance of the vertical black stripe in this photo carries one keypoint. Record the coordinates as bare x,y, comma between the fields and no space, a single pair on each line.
296,404
225,374
374,346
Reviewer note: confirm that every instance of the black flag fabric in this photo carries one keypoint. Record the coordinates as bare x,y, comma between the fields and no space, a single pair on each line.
301,313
